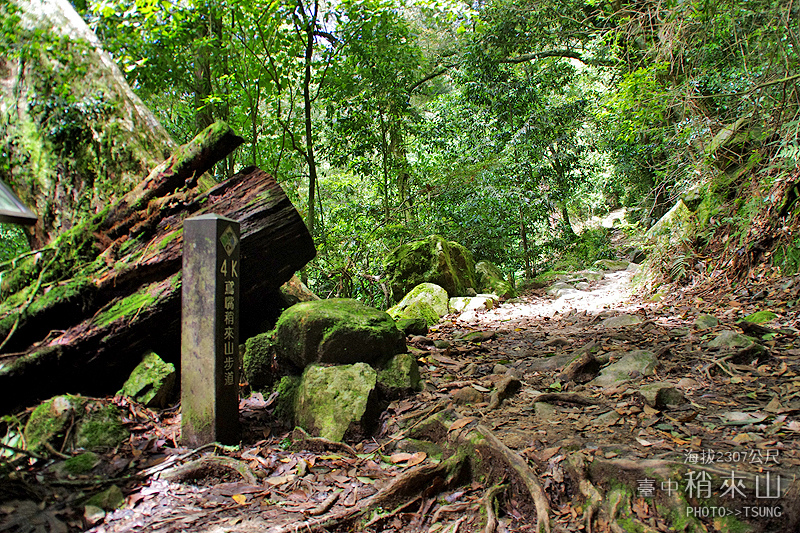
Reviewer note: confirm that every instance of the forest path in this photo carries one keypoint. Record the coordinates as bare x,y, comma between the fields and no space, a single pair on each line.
724,413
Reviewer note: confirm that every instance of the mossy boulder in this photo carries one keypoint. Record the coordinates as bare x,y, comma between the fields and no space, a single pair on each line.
431,293
412,326
426,301
151,382
100,428
336,331
79,465
490,279
731,340
632,365
259,355
399,376
50,419
612,264
674,226
432,260
97,424
338,401
287,397
108,500
760,317
416,310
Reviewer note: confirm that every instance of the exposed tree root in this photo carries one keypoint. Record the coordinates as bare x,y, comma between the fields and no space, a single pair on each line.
199,469
584,367
565,397
490,506
304,441
508,386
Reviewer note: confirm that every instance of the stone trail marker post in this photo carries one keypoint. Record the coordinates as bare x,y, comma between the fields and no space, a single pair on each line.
210,331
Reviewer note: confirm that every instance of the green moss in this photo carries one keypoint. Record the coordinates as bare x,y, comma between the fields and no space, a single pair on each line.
287,396
433,260
168,238
127,307
416,309
151,381
50,419
401,373
759,317
547,278
332,401
490,279
259,356
432,449
101,428
110,499
66,293
81,464
339,330
412,326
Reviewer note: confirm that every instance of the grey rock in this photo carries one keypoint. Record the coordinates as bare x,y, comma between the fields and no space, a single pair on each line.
337,401
731,340
499,369
631,365
621,321
661,394
545,412
467,395
704,322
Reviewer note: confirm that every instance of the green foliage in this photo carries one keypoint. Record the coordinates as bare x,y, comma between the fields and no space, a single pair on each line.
13,242
492,126
787,258
581,251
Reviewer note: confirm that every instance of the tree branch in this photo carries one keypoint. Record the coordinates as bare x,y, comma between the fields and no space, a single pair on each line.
524,58
435,74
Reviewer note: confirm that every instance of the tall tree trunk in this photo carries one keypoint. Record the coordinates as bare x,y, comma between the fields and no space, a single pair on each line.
385,164
71,144
566,225
523,232
310,27
203,85
397,148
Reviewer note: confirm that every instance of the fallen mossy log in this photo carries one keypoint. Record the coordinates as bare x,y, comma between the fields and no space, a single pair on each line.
86,316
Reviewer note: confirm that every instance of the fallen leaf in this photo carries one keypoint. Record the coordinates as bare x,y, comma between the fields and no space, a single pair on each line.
400,457
460,423
738,418
241,499
417,458
547,453
280,480
649,411
774,406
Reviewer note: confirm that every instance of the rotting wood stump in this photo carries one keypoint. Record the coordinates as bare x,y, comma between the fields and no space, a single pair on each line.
109,290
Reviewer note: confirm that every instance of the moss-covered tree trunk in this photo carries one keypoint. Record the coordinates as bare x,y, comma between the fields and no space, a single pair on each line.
73,135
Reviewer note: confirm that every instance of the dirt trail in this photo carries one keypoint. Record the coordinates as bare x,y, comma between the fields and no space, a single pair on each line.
730,424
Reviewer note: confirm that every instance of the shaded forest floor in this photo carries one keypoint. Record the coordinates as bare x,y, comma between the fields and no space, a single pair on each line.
504,435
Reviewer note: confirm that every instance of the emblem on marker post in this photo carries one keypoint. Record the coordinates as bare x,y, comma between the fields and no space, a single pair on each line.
229,240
